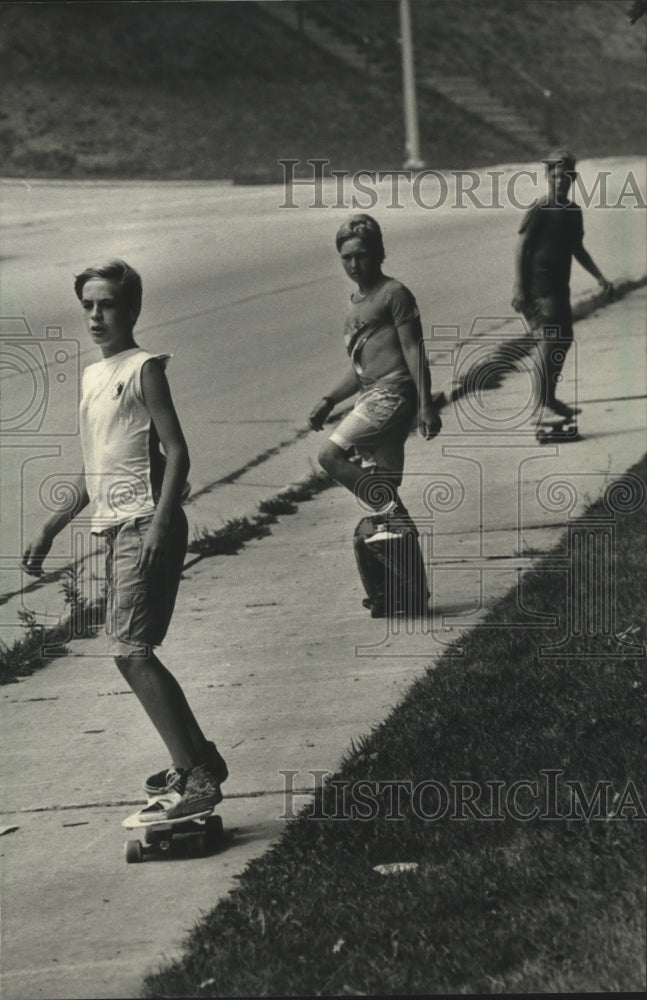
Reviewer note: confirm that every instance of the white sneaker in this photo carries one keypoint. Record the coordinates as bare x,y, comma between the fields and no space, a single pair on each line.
383,534
198,790
385,531
396,523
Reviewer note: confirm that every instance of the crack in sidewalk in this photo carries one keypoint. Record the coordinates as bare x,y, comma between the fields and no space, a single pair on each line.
582,309
127,803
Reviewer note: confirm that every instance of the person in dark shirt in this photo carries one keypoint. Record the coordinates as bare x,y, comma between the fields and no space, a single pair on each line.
550,235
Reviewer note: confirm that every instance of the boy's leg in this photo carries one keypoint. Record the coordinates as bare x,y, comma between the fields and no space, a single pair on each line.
372,488
166,706
195,786
552,323
140,609
385,478
377,427
552,357
337,463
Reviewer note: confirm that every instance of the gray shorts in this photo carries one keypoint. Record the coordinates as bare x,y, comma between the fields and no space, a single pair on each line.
139,605
550,318
378,426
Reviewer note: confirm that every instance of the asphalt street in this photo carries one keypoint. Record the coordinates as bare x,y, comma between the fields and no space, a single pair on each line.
248,295
273,647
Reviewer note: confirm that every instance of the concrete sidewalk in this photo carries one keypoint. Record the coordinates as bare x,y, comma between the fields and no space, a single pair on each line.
283,666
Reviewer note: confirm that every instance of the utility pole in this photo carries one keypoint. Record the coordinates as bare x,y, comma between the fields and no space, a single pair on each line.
412,140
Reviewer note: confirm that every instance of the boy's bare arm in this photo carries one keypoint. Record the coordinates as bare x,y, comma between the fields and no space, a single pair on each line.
157,397
583,257
411,341
348,386
519,293
38,548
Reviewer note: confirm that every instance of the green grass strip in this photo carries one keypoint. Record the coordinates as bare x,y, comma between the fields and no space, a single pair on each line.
232,536
495,905
40,645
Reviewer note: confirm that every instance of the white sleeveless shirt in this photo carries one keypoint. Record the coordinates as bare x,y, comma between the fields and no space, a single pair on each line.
123,462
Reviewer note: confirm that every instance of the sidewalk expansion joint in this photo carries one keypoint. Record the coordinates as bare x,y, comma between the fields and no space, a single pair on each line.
118,803
481,529
612,399
473,561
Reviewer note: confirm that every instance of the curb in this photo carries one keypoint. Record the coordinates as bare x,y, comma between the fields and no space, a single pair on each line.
234,534
486,375
586,305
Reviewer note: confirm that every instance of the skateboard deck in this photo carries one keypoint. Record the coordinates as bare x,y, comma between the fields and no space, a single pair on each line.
392,572
159,836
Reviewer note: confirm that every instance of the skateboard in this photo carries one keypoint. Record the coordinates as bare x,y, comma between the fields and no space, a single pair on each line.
159,837
557,429
392,572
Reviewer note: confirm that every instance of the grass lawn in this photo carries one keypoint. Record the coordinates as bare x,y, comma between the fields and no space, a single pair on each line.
222,91
497,903
40,645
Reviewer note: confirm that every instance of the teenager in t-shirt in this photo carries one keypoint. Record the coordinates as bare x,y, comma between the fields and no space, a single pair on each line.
383,337
551,234
126,414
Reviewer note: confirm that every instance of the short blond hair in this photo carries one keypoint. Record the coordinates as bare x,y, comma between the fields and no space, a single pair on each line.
117,270
364,228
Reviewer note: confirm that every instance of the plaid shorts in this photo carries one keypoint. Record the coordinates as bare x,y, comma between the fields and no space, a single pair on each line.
139,605
378,426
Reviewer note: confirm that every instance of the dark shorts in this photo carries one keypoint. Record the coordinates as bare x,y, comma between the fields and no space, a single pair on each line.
549,318
378,425
140,605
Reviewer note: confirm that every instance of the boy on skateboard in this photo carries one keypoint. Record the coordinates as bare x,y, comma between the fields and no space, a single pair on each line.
383,337
126,413
550,236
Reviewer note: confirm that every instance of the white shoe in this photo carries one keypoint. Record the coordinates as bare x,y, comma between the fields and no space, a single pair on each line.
383,534
391,525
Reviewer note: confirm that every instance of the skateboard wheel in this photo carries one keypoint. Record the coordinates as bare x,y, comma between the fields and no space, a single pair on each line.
134,852
213,832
